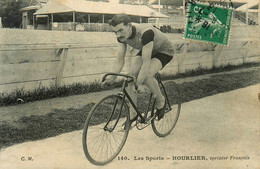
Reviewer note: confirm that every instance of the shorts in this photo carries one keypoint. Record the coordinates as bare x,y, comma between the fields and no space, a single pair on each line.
164,59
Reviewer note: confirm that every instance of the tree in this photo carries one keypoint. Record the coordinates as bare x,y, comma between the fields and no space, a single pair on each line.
9,11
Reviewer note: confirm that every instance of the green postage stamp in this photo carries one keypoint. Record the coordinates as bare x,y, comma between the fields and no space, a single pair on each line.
208,23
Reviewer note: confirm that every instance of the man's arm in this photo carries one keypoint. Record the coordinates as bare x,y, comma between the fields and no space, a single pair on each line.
120,61
146,56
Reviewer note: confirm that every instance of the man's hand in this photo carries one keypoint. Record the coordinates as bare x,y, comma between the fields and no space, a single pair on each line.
109,80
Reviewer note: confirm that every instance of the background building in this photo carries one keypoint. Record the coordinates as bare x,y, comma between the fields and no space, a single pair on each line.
82,15
168,15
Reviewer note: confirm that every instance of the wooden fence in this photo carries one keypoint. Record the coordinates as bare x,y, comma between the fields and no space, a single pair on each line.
31,66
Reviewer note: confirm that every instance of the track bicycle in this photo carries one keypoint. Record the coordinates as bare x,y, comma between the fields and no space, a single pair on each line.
103,135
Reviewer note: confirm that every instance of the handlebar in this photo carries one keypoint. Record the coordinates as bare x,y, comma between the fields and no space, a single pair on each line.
118,74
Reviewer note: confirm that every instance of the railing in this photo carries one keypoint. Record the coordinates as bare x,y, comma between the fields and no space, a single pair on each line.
103,27
91,27
240,15
254,18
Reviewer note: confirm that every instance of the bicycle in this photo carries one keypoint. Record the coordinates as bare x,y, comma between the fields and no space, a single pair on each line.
103,136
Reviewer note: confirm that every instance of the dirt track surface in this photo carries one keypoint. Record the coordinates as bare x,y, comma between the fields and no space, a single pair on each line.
226,124
10,114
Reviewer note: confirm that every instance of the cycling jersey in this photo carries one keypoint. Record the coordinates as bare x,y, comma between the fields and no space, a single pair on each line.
143,34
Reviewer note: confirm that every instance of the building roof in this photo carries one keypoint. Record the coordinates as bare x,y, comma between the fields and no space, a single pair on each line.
62,6
236,3
29,8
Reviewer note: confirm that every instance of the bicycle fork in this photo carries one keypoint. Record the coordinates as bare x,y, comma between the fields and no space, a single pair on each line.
112,113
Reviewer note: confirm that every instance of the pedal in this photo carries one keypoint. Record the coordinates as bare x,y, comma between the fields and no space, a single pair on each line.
141,126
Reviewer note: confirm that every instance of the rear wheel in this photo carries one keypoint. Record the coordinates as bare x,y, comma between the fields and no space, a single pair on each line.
103,136
164,126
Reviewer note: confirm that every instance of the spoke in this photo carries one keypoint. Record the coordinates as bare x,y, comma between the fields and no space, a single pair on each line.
100,144
95,138
94,134
93,130
109,143
109,150
170,122
163,125
116,141
102,150
167,124
104,143
97,151
174,116
95,144
170,115
157,125
112,150
119,133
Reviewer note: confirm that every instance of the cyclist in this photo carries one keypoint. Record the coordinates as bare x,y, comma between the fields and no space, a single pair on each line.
155,52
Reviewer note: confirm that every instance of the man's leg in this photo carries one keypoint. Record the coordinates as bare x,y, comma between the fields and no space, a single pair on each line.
152,84
134,70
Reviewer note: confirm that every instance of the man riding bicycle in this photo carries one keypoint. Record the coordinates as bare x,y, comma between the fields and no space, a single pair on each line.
155,52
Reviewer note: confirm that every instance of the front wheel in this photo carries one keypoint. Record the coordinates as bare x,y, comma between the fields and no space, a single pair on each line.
103,136
164,126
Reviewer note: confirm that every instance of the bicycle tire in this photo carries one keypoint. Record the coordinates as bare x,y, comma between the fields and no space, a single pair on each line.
161,128
99,117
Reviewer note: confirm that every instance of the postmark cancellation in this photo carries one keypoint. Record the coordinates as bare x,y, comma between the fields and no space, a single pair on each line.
208,23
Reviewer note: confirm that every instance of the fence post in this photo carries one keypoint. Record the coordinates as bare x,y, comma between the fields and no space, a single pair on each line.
246,46
181,58
247,14
258,14
216,54
61,65
51,21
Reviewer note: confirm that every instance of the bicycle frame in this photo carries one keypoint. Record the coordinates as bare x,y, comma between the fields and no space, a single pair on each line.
134,106
125,95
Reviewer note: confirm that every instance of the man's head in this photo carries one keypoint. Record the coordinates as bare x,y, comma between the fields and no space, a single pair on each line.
121,26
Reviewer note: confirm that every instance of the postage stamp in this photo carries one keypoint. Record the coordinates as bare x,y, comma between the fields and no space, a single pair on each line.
208,23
